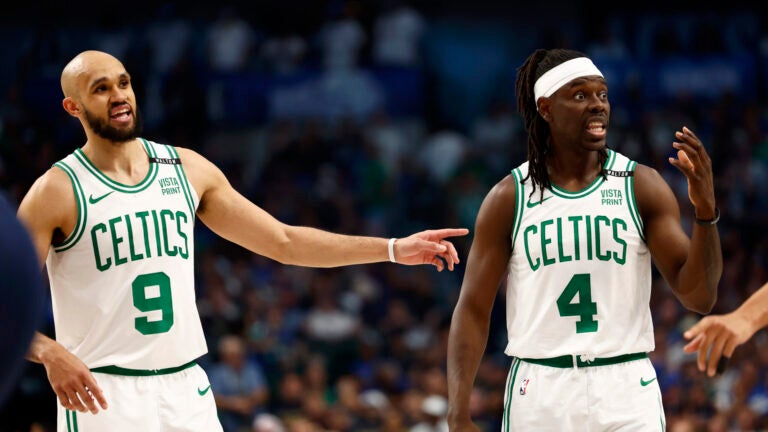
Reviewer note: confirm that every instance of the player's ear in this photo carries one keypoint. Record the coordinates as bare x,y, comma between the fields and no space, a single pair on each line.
70,106
544,106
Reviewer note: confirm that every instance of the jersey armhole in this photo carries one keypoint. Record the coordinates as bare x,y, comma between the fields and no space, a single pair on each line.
519,200
82,211
629,191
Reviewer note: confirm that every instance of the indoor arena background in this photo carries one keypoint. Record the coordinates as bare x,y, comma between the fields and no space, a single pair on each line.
384,117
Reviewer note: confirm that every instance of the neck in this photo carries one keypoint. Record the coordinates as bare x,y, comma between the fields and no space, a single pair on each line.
573,170
125,162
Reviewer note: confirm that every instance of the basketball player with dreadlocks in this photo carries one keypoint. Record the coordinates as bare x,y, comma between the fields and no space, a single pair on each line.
575,229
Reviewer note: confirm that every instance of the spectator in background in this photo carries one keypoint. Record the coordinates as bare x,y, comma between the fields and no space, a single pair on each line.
230,42
239,386
397,35
169,38
608,43
342,37
389,140
290,396
434,408
442,154
491,134
267,423
283,53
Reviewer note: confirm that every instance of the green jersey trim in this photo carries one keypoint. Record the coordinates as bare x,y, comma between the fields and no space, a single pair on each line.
183,181
82,211
519,200
120,187
595,185
629,184
117,370
512,378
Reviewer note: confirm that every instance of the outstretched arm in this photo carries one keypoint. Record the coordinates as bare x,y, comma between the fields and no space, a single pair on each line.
49,208
691,266
716,336
486,265
235,218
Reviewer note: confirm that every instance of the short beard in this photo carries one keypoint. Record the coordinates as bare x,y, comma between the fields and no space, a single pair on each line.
102,128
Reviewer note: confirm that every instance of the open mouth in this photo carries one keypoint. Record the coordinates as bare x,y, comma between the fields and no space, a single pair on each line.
596,128
122,114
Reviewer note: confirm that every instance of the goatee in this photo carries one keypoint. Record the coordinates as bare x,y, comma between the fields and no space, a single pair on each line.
103,129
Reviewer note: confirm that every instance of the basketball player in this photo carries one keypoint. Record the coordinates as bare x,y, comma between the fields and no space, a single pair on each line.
575,228
113,222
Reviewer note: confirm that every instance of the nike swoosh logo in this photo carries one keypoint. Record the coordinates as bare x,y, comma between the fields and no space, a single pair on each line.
530,204
93,200
203,391
645,383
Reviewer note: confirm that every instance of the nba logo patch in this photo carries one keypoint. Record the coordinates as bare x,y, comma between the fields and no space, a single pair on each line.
524,386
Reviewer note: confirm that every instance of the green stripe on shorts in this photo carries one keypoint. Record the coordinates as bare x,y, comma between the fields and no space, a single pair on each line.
71,427
117,370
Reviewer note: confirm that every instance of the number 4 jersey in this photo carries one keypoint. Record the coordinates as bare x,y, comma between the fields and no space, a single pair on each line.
122,283
580,271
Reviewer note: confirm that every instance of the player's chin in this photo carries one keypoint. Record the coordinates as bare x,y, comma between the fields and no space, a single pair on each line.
597,145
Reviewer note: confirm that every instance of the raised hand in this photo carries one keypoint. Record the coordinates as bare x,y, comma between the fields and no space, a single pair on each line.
693,161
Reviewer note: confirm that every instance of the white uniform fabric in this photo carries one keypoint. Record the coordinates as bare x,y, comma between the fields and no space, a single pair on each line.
123,295
580,272
619,397
178,402
579,289
122,284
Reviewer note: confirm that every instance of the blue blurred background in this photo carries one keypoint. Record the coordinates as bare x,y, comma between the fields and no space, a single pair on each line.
384,117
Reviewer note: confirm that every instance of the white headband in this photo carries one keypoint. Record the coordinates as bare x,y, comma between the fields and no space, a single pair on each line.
561,74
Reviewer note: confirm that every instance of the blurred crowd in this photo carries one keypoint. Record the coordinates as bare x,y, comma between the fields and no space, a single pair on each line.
344,117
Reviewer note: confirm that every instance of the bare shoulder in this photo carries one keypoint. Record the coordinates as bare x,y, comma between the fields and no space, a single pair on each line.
499,204
49,207
504,191
652,192
202,173
647,174
191,159
51,189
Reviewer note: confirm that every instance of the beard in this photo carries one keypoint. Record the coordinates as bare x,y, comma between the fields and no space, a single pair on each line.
102,128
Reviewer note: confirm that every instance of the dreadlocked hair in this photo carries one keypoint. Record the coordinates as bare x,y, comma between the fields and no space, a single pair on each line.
536,65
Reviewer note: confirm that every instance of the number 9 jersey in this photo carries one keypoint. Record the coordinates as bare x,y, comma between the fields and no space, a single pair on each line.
122,283
579,279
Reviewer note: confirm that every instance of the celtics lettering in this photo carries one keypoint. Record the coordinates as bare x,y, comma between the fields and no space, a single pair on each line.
575,238
141,235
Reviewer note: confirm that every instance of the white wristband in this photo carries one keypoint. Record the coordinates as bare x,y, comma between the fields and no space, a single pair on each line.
391,249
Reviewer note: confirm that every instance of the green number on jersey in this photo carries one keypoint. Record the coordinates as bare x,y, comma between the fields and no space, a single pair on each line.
585,309
161,303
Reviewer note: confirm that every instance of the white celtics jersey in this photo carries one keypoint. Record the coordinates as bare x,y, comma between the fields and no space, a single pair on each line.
580,271
122,283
